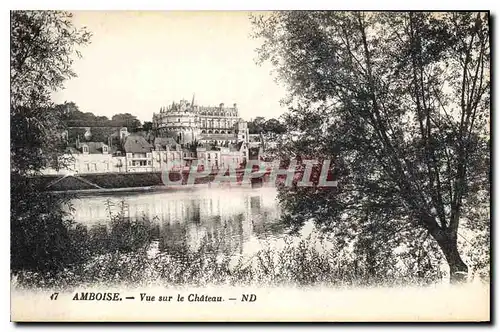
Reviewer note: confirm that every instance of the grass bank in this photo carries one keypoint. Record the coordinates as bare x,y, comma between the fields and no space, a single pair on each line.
300,262
124,252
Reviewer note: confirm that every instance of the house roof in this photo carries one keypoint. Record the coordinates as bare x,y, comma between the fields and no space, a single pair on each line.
165,141
95,147
136,144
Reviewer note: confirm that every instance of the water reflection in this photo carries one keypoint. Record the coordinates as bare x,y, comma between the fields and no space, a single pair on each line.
229,219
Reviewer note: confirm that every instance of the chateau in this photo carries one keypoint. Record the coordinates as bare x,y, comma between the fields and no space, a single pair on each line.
188,123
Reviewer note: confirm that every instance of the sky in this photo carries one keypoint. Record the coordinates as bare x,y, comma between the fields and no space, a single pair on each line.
140,61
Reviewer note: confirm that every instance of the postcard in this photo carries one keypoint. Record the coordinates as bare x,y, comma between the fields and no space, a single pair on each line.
267,166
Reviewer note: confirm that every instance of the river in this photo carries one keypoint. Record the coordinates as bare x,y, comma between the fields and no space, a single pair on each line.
240,219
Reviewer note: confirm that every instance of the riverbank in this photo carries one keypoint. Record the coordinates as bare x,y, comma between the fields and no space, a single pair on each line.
160,188
119,182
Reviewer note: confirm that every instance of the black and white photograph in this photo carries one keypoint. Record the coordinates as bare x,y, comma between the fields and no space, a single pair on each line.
250,166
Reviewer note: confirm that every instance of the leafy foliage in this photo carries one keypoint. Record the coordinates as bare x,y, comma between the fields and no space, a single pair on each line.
299,262
71,116
400,101
42,48
43,44
126,120
261,125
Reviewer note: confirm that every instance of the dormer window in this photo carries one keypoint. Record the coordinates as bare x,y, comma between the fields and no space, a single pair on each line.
104,149
85,149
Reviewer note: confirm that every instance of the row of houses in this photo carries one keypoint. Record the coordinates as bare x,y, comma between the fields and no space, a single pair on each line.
134,153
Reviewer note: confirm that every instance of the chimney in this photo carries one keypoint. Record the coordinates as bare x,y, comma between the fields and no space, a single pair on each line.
221,105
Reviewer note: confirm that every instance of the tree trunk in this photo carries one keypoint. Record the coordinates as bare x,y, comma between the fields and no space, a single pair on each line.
458,269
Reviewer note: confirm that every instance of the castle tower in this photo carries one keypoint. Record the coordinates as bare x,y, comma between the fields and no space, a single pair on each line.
242,131
178,121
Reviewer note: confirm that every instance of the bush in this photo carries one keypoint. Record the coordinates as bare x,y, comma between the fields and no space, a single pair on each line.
304,262
42,238
68,255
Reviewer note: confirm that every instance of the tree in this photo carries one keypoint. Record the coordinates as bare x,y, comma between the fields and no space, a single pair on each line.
400,102
42,47
67,111
147,126
256,125
71,116
274,126
126,120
